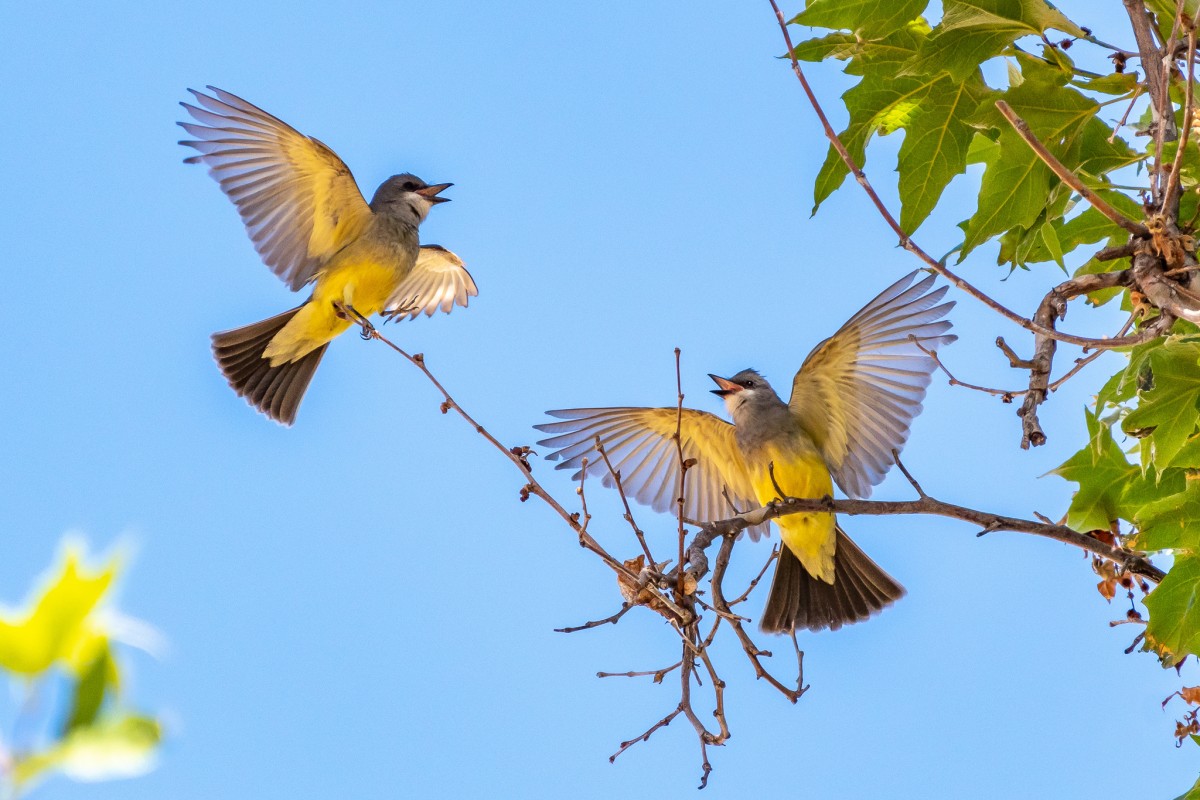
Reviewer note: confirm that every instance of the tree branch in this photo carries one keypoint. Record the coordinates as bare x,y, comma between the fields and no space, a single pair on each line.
1067,176
989,522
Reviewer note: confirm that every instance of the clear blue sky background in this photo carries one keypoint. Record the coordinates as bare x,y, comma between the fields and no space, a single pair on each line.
359,606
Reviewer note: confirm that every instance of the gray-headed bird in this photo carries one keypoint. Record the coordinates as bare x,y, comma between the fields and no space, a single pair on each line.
852,403
310,224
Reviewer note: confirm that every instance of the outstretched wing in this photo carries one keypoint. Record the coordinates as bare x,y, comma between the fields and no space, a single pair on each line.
299,202
640,444
859,390
437,281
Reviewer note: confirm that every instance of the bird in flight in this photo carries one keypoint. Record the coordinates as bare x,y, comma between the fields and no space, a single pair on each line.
311,225
850,409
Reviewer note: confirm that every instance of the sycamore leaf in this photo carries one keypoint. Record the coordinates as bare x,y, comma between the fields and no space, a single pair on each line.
836,45
1174,625
1170,407
1053,245
1103,474
1194,792
972,31
1171,522
935,146
1125,384
56,623
868,18
1117,83
1017,185
876,105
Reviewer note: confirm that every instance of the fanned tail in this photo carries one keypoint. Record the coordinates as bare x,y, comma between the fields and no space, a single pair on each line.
275,391
859,590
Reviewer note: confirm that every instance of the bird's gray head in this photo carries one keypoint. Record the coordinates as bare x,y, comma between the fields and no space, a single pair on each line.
745,393
408,197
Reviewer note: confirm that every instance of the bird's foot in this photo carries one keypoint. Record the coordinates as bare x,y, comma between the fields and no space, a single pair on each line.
349,312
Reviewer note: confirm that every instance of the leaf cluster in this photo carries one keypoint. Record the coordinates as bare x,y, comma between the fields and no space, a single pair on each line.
60,641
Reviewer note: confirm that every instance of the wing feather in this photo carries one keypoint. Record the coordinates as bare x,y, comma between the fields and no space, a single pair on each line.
438,281
297,199
640,444
858,391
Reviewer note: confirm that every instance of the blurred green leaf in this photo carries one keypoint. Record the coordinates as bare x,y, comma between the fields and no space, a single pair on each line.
115,746
90,691
55,625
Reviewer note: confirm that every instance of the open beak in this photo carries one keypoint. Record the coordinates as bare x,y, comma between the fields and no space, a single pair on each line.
431,193
728,387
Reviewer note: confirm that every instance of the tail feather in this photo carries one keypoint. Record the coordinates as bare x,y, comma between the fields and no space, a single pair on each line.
859,590
275,391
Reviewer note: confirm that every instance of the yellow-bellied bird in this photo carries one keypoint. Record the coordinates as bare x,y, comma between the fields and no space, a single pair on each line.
310,223
852,403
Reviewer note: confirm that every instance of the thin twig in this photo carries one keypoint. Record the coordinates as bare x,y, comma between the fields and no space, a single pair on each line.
657,674
612,620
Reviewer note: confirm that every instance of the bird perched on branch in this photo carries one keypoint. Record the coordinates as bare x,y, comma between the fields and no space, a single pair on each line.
310,223
851,406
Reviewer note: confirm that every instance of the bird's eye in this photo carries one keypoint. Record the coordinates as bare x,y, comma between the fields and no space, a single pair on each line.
409,186
748,384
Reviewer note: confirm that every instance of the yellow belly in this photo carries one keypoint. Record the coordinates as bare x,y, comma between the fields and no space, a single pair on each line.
800,474
366,285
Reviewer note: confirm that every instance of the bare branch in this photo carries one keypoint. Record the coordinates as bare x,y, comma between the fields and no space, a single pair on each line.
989,522
1151,58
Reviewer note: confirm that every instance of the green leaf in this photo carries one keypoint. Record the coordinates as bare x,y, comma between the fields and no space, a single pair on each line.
1103,474
1125,384
878,103
1170,407
869,18
935,146
973,31
1017,186
1174,625
1050,239
1170,522
90,691
1194,792
1117,83
836,45
117,746
56,624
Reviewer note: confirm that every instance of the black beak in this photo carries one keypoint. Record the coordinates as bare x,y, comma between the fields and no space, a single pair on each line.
431,193
728,387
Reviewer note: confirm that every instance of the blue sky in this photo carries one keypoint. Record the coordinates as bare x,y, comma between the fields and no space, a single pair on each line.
359,606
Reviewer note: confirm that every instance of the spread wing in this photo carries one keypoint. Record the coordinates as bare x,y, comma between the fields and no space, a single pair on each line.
640,444
299,202
438,281
860,389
